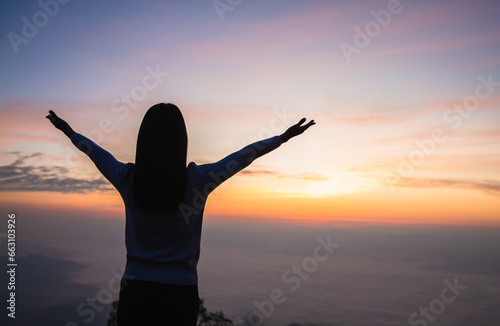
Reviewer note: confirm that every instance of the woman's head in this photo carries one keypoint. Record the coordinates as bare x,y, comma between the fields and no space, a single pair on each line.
160,161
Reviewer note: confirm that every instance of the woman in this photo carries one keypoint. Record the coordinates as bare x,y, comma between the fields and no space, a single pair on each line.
164,202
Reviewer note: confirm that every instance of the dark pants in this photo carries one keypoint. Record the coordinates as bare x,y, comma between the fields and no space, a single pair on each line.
151,303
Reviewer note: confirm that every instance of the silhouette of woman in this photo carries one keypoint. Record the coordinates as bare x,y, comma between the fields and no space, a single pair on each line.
164,202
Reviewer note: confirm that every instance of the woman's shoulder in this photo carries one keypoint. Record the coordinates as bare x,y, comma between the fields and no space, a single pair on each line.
192,170
126,171
194,173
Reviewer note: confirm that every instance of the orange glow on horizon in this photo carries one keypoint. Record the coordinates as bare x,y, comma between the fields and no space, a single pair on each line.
402,207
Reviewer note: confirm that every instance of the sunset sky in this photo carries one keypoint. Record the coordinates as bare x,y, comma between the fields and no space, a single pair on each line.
402,167
392,141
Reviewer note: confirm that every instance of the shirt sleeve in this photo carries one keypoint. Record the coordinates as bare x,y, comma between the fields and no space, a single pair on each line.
106,163
212,175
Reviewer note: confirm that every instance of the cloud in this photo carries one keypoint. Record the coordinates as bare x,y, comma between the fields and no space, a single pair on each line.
434,36
378,117
489,186
277,34
260,172
19,176
302,176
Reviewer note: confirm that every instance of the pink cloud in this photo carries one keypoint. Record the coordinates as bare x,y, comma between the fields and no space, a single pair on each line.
279,34
435,28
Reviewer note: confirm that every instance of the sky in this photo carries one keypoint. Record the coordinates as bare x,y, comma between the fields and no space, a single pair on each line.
405,95
394,95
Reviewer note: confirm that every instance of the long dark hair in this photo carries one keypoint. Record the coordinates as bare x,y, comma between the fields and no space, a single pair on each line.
160,160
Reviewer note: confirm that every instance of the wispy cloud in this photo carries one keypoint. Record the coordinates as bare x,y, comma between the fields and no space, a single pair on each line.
434,36
370,116
489,186
22,176
277,34
302,176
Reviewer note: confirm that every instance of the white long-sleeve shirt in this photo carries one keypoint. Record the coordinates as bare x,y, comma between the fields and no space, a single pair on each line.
161,247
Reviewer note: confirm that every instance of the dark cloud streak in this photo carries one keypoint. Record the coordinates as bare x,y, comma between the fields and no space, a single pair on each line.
23,175
489,186
303,176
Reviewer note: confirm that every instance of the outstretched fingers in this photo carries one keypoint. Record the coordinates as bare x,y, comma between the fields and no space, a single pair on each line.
306,126
296,129
50,116
310,123
53,114
54,118
301,122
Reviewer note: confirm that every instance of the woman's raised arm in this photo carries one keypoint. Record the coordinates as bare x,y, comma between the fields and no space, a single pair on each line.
105,162
216,173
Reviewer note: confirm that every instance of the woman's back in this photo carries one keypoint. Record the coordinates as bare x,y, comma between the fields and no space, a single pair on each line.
164,246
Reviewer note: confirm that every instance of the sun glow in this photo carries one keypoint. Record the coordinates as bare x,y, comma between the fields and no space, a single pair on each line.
324,188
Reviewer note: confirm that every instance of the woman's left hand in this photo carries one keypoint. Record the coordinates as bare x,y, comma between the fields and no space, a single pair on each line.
296,129
60,123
